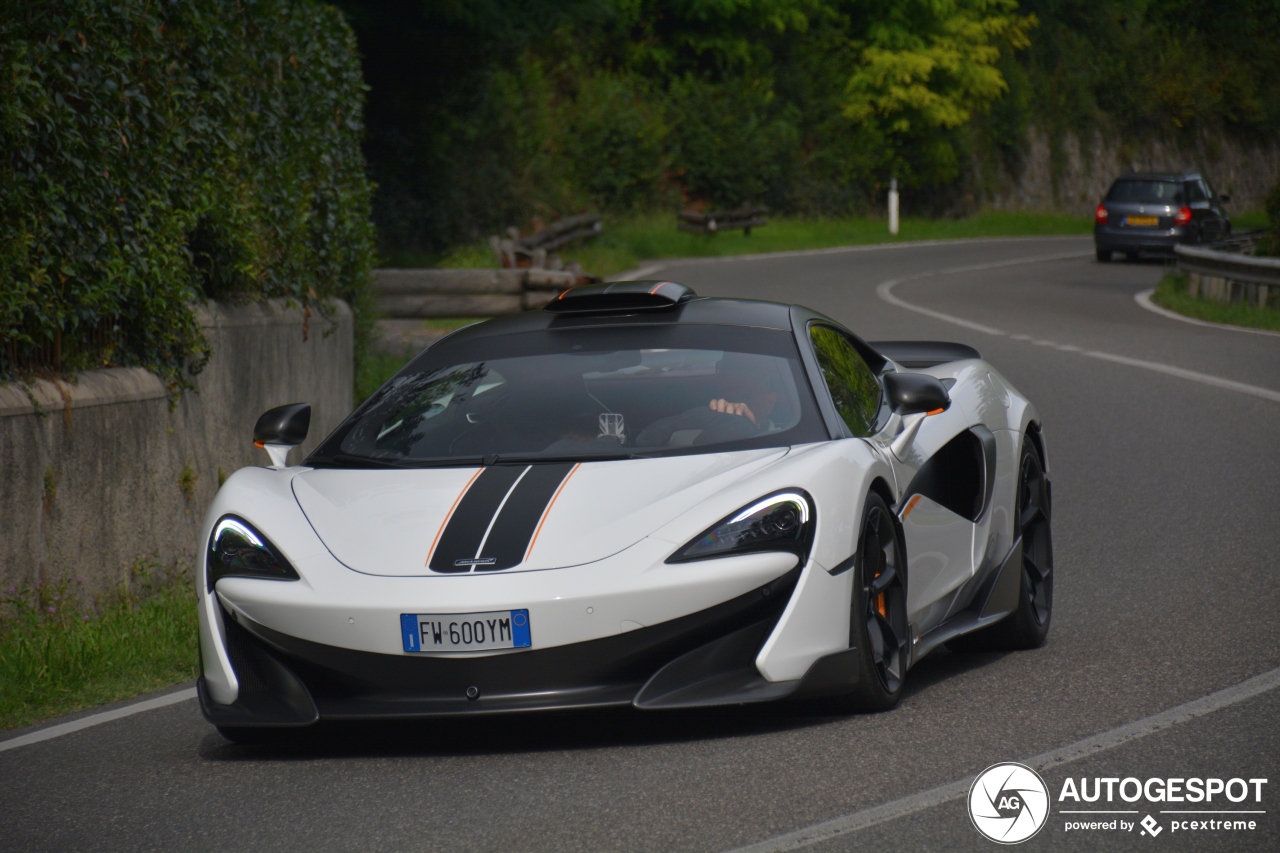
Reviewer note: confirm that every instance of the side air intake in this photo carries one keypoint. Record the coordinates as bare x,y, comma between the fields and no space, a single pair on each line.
613,296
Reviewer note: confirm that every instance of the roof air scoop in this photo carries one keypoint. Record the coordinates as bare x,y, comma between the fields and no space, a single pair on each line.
620,296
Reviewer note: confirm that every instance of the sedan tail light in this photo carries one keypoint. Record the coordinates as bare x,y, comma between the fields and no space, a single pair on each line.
1183,216
1100,215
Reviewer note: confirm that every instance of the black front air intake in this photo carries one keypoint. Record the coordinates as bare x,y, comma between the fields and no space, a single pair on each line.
348,684
614,296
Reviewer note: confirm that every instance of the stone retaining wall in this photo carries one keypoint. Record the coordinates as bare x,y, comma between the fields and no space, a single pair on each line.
1073,176
102,471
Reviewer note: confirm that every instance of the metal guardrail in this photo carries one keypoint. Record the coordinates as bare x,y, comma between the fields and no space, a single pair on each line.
745,217
1228,265
537,250
1229,276
1242,242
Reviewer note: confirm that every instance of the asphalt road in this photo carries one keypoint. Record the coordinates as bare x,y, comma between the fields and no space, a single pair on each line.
1166,531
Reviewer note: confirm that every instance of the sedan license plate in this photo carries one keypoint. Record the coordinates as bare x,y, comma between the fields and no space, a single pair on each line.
465,632
1141,220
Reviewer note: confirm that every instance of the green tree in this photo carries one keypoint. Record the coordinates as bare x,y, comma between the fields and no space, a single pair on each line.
925,68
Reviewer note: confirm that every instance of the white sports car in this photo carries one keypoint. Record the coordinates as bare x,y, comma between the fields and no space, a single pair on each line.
634,497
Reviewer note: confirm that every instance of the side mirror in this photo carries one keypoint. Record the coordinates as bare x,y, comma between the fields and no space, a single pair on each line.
1224,198
910,393
280,429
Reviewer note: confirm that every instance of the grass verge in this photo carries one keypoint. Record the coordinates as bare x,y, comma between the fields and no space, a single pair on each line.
57,656
1249,220
627,241
1172,294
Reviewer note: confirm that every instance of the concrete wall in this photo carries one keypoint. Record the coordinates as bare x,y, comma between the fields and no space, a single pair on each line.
111,471
1246,171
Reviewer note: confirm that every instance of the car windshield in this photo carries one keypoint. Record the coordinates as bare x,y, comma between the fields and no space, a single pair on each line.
584,394
1146,192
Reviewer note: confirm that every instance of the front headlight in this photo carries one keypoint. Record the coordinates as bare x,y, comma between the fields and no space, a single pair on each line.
780,522
237,550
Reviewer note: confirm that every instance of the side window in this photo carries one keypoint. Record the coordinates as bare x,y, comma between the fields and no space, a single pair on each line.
1208,190
1195,191
852,385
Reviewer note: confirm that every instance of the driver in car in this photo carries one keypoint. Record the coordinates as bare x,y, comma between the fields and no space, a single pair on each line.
747,397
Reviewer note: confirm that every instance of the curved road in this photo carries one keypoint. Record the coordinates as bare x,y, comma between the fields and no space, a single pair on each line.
1165,455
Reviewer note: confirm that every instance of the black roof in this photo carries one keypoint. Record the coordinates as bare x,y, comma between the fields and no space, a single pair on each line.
691,309
700,309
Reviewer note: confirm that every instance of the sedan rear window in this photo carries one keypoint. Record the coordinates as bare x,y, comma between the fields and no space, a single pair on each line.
1146,192
585,394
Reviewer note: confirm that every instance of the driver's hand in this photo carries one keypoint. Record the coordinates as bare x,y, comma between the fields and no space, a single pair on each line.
741,409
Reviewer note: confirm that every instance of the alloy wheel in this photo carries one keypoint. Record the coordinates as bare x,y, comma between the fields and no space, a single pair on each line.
884,599
1037,548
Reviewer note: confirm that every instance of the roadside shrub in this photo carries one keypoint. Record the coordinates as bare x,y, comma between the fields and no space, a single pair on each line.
615,142
1270,243
734,144
155,152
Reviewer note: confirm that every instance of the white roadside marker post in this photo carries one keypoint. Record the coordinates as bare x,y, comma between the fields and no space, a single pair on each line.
893,206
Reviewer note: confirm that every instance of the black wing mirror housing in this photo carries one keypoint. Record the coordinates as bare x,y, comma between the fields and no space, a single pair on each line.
282,428
1224,198
910,393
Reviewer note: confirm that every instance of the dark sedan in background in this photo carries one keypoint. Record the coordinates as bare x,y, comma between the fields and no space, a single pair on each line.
1153,212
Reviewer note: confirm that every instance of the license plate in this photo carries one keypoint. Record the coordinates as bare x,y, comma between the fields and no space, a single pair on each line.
1141,220
465,632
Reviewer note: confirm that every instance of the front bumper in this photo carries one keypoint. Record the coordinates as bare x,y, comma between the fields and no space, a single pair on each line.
704,658
1109,238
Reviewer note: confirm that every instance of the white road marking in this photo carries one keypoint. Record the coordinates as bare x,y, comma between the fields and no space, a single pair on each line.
98,719
1045,761
1204,378
1144,299
885,291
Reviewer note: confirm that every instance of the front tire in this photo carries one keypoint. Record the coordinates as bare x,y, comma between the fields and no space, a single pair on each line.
878,612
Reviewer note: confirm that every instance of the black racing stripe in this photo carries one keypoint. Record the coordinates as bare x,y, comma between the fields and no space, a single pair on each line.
466,528
519,518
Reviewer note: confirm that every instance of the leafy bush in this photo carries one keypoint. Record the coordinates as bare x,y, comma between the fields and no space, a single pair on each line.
615,141
735,145
1270,243
160,151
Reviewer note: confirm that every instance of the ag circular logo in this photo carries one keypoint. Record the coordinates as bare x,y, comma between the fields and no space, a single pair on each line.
1008,803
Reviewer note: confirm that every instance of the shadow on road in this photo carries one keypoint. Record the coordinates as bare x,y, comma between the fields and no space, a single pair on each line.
568,730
